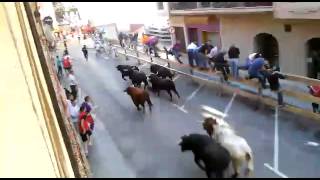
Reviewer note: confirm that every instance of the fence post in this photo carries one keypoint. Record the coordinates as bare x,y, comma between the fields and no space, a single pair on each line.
125,52
260,104
137,53
151,58
222,81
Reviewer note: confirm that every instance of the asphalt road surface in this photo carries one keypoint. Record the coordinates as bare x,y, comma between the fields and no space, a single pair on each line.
128,143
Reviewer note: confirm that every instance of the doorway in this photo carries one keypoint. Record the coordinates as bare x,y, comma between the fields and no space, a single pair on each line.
193,34
313,54
179,33
213,36
267,45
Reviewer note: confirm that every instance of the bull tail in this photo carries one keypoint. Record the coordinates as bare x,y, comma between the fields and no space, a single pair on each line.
249,170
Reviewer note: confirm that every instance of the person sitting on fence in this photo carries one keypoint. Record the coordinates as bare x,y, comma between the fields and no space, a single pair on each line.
249,61
191,51
213,53
315,91
175,51
273,77
134,41
234,53
152,45
257,70
221,64
120,38
201,55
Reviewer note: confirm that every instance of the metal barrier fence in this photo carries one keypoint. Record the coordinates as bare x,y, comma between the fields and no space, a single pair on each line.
258,96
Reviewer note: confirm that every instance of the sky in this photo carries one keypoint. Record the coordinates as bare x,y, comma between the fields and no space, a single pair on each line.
122,13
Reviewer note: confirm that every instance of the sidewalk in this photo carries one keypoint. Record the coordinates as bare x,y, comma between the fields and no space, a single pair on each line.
115,166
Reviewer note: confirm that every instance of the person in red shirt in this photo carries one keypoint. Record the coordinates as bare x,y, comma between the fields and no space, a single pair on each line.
89,119
84,129
315,91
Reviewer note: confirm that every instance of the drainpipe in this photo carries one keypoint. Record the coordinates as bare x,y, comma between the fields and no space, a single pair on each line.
199,5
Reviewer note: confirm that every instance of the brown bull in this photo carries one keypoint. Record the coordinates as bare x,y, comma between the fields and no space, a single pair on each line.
139,97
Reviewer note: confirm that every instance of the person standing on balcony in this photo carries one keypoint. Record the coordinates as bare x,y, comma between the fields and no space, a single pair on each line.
234,53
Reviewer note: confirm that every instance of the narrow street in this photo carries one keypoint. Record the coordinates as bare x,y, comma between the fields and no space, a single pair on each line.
128,143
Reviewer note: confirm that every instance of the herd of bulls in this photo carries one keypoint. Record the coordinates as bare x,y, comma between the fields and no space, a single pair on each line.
157,78
221,149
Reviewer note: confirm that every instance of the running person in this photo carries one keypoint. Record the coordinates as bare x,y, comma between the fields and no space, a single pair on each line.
59,66
85,52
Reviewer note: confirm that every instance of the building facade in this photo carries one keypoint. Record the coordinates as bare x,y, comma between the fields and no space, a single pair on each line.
287,34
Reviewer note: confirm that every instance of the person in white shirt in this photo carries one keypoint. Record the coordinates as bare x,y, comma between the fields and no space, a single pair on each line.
73,110
191,54
73,84
214,51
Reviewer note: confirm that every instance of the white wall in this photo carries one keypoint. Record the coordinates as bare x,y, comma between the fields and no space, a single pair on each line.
241,30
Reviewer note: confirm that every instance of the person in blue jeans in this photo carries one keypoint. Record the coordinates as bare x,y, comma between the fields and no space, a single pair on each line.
201,55
191,55
257,70
233,54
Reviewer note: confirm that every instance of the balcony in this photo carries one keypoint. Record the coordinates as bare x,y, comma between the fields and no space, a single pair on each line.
201,8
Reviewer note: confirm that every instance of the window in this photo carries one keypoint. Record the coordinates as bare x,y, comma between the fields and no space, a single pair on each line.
160,5
287,28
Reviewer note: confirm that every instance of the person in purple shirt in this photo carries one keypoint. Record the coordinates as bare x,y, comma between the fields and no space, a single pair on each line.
86,104
176,51
257,70
152,43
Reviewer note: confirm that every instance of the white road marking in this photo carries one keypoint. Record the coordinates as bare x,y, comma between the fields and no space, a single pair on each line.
176,78
228,107
212,112
181,108
310,143
275,167
275,171
215,112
